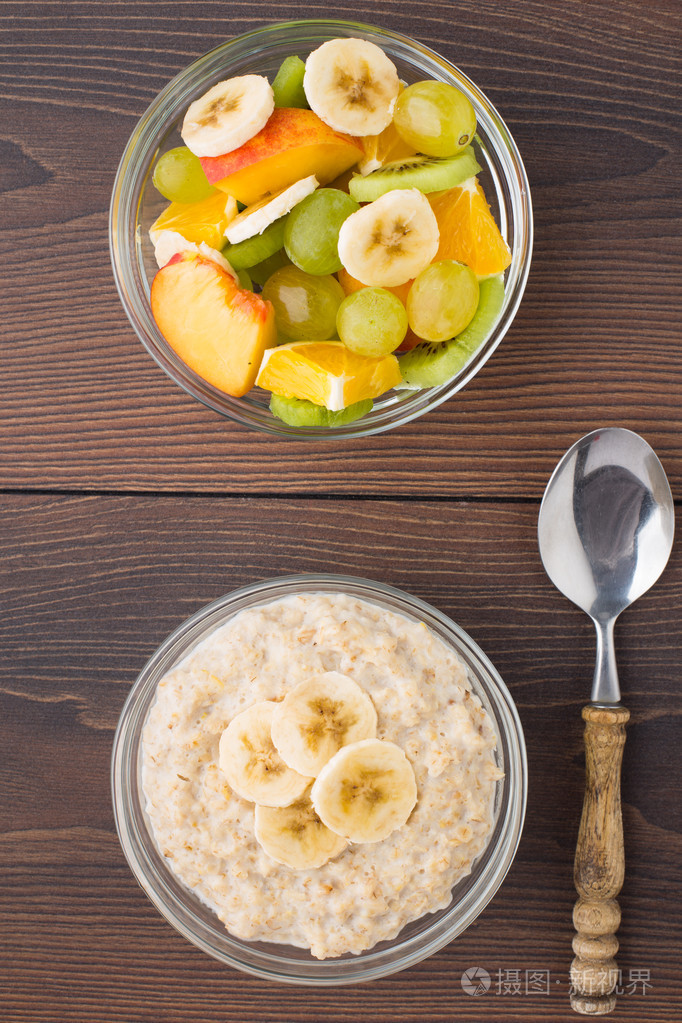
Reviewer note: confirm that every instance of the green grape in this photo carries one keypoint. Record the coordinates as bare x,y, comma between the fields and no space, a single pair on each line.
442,300
371,321
312,230
437,119
245,280
179,176
261,271
288,84
254,250
305,306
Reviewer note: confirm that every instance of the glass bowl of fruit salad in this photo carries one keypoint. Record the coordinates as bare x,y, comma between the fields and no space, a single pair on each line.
321,229
198,846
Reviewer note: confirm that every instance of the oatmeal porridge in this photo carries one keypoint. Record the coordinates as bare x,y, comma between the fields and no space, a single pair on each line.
417,709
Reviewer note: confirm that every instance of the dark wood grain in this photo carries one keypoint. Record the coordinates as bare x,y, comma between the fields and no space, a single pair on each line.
590,92
91,585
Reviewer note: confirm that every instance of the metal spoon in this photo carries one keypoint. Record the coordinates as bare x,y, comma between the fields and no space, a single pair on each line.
605,531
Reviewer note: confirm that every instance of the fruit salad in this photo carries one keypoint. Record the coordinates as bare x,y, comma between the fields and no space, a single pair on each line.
327,237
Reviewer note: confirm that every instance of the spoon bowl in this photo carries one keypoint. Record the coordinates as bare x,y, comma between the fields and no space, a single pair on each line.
605,532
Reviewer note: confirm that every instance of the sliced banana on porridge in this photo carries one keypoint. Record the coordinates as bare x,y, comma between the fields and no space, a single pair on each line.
366,791
252,765
302,874
295,836
318,717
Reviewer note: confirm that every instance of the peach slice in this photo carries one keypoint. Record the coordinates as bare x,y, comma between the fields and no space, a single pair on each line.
293,144
219,329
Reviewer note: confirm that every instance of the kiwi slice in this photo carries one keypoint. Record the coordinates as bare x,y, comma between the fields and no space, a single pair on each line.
288,84
430,364
427,173
300,412
252,251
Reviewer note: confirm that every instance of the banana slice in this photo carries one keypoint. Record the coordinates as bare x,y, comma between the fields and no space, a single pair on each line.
366,791
295,836
352,86
254,219
390,240
252,765
168,243
228,115
319,716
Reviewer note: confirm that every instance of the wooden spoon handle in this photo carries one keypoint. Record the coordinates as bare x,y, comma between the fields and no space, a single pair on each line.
599,863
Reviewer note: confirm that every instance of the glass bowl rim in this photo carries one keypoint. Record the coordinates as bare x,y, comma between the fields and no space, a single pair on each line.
369,965
126,197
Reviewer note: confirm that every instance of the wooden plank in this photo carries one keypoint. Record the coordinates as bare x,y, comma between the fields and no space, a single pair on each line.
90,586
589,91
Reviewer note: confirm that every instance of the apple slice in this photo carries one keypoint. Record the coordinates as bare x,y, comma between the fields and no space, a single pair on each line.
293,144
219,329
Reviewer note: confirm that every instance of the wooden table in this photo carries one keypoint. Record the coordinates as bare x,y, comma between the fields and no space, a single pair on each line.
126,505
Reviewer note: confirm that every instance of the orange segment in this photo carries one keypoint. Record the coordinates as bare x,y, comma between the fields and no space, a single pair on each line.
383,148
326,373
468,232
203,221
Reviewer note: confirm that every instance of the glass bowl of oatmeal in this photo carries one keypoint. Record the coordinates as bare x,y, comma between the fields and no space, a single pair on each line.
375,907
135,205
